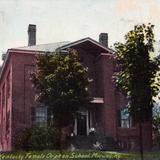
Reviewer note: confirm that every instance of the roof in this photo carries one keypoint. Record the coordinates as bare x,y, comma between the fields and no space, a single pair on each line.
85,40
50,47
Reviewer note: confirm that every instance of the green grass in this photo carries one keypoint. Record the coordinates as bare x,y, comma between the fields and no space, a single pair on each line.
77,155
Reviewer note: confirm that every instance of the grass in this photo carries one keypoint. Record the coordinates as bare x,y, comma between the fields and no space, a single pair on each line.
77,155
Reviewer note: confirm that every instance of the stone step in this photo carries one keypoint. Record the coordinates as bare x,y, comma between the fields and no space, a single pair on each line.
94,142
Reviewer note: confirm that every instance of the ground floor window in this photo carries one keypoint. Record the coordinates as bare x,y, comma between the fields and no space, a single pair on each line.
124,118
39,116
82,122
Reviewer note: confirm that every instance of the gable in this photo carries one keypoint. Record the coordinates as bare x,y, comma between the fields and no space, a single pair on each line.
88,44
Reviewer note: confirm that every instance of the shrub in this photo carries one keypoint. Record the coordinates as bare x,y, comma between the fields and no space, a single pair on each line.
37,138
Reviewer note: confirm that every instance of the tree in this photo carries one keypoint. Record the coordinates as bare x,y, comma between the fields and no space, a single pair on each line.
156,124
136,77
62,83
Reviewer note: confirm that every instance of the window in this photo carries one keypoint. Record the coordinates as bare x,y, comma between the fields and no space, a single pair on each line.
39,116
124,119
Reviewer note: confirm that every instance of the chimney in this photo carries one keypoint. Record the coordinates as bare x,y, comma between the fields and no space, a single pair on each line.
31,35
103,39
3,55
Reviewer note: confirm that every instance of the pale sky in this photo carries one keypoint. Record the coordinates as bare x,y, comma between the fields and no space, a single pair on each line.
70,20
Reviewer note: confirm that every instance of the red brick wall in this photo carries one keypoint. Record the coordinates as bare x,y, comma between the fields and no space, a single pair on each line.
6,107
88,61
23,92
109,110
22,97
113,101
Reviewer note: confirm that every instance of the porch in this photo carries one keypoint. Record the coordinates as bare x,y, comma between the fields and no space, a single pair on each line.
89,120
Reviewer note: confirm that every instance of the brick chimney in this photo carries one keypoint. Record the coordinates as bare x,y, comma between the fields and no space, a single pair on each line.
31,35
103,39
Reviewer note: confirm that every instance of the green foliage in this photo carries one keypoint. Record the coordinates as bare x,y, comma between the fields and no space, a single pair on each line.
21,140
37,138
40,139
137,71
62,84
156,124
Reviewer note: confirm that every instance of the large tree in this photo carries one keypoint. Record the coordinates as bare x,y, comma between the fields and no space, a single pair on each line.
62,84
137,72
156,124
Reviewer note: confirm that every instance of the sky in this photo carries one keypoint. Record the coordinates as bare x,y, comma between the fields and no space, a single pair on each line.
70,20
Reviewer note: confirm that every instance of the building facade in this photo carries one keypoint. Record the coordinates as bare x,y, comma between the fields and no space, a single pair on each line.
107,113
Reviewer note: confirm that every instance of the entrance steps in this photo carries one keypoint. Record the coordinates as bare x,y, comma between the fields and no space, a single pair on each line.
93,143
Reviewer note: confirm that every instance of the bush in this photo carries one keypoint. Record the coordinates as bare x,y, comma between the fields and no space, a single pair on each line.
21,139
37,138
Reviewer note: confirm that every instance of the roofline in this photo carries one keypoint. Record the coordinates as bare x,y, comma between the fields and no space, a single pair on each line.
60,48
16,50
4,63
44,44
67,46
25,50
83,40
8,54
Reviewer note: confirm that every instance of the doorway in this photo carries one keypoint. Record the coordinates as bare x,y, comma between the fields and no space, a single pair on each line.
81,126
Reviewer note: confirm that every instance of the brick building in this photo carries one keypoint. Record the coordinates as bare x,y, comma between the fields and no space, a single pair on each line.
107,112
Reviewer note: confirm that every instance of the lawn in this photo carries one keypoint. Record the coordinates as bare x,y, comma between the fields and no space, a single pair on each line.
77,155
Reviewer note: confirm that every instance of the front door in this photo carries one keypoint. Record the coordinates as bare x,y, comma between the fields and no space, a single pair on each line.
82,124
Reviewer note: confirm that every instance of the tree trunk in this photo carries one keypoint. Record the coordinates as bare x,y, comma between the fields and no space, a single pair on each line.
140,140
